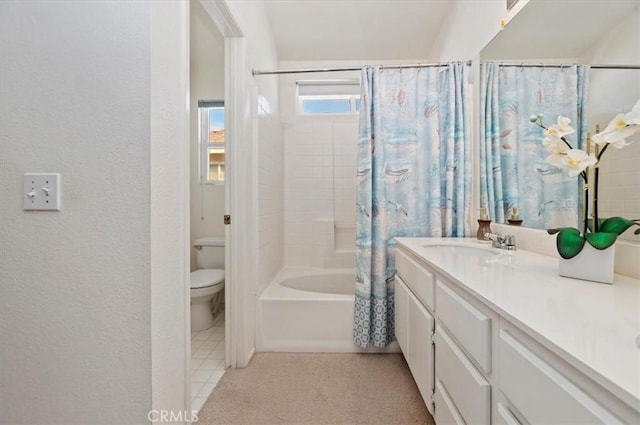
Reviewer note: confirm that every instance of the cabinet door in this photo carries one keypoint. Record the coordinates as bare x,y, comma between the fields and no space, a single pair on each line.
401,296
420,352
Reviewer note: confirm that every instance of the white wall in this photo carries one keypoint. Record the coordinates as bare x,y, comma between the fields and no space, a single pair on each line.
76,310
470,25
207,83
612,92
169,207
260,44
94,297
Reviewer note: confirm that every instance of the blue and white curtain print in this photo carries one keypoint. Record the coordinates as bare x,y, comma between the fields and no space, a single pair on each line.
414,178
513,173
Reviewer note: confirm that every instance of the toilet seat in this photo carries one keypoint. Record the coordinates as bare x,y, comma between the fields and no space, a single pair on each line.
206,277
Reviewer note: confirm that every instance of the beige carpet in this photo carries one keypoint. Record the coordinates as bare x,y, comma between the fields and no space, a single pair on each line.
317,389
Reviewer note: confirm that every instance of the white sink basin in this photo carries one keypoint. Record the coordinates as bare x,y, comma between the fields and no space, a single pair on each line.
461,250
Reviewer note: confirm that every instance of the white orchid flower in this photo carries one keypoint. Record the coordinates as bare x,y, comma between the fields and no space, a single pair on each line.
577,160
555,145
560,129
563,124
634,116
621,127
557,160
616,132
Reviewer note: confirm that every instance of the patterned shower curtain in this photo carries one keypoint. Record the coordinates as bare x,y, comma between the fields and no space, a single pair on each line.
513,173
414,178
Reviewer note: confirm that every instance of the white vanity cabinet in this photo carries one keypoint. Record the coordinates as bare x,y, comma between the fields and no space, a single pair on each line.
454,380
474,365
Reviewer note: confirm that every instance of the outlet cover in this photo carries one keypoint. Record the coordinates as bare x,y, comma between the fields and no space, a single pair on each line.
41,191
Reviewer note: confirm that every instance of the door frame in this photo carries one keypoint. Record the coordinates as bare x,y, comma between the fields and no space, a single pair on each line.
237,197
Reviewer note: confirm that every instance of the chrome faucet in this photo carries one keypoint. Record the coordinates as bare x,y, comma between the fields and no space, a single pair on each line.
500,241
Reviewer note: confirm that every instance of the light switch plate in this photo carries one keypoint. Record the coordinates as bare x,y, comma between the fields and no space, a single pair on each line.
41,191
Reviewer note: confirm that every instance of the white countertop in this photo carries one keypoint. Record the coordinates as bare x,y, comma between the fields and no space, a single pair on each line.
593,326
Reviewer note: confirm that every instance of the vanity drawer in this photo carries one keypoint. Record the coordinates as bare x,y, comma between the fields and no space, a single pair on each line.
548,396
470,327
505,417
416,277
469,392
446,413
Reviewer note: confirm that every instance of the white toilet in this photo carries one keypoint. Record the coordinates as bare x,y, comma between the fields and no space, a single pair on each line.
207,281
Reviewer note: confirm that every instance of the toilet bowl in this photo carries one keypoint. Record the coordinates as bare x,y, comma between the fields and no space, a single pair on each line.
207,282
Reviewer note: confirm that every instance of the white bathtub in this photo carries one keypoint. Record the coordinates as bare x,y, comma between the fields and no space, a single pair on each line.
309,310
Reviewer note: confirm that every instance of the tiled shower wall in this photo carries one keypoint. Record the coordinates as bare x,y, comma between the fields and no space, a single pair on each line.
320,183
308,187
320,193
345,164
270,188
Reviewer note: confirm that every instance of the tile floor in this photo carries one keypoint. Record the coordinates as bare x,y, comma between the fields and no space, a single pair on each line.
207,361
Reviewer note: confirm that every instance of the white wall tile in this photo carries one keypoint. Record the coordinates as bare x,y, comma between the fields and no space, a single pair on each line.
320,156
270,194
612,92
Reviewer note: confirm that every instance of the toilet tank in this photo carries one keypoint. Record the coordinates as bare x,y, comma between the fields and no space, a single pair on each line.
210,252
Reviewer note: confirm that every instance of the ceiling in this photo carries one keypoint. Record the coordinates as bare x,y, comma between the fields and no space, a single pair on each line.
323,30
559,29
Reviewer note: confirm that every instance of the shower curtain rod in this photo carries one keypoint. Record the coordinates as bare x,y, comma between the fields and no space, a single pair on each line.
562,65
423,65
354,68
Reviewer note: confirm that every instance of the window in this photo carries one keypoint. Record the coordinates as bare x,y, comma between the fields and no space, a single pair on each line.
211,124
328,97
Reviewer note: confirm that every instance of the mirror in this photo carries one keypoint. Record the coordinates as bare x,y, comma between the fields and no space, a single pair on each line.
588,32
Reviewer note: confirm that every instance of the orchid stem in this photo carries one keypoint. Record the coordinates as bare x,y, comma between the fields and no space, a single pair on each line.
586,213
596,223
602,151
586,202
566,142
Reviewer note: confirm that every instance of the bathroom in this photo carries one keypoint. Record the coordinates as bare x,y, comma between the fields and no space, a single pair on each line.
307,179
288,220
307,174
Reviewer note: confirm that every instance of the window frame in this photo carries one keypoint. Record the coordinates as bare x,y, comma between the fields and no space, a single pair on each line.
204,106
335,90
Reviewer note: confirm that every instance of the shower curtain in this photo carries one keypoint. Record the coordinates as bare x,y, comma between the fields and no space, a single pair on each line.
513,173
414,178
